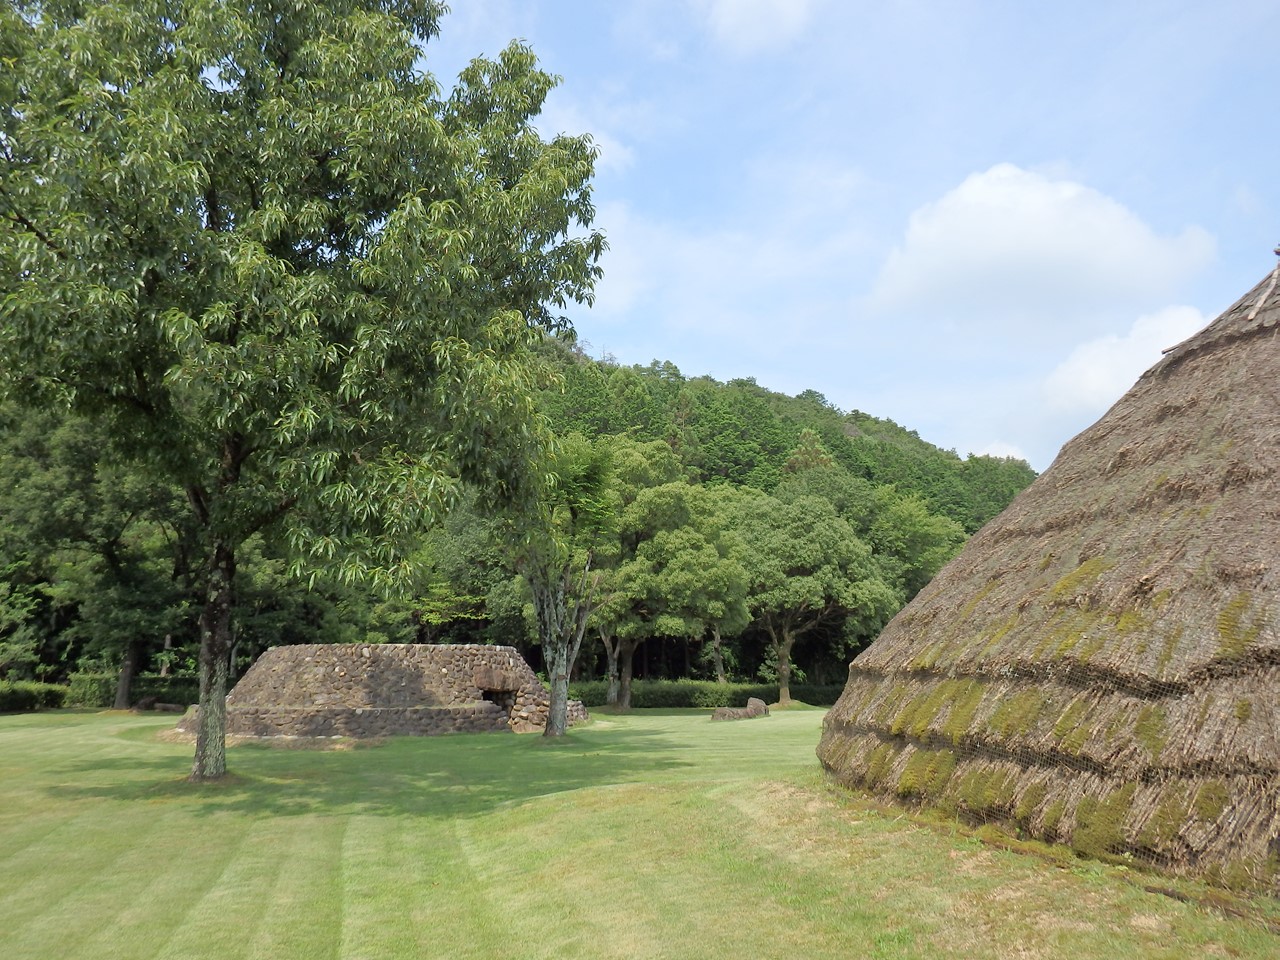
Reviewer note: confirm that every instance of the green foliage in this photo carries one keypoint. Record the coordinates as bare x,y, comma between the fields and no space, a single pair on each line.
809,454
99,689
678,571
970,491
702,694
743,434
91,552
19,637
806,567
731,434
302,297
555,541
91,690
25,695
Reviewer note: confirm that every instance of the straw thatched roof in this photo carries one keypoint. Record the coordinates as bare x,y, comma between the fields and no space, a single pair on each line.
1101,663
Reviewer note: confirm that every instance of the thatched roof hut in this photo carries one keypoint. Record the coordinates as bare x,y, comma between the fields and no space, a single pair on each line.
1100,665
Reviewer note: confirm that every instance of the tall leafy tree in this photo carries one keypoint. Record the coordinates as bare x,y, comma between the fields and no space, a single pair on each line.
635,604
809,453
635,467
678,575
555,543
807,568
909,540
288,275
720,598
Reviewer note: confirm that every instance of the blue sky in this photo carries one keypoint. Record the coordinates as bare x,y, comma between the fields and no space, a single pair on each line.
982,220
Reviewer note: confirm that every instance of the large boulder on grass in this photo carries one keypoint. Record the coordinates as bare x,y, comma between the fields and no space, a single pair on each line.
755,708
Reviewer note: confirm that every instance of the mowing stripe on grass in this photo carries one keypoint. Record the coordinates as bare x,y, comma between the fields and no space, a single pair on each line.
398,875
223,916
113,876
134,927
68,862
645,836
304,908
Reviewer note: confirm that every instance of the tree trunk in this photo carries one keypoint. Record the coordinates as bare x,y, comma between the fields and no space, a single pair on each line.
717,655
784,679
215,648
626,656
611,667
558,679
164,663
128,670
561,627
549,607
782,640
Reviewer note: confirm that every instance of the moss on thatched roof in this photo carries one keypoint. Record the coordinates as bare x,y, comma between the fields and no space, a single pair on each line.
1101,664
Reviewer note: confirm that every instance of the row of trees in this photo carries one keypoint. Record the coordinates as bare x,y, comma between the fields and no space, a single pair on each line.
101,569
98,569
278,357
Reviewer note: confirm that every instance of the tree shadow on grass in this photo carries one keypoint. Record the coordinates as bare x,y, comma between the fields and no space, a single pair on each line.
433,777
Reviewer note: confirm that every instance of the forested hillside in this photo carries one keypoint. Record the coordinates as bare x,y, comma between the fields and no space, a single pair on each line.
742,433
721,530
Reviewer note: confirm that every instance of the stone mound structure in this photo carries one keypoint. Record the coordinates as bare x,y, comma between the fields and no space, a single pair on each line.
373,690
1100,665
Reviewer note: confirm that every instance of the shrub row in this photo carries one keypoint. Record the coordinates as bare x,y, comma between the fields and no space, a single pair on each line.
18,695
706,694
99,689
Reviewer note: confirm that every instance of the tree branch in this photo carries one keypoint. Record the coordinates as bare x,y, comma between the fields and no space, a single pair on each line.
17,217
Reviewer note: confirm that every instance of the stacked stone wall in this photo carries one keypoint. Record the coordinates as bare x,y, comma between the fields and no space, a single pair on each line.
372,690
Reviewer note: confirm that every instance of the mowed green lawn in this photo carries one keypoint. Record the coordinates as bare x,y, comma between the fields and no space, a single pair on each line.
650,835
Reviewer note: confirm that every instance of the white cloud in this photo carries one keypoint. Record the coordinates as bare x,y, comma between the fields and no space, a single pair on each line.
559,116
999,280
795,229
749,26
1028,256
1099,372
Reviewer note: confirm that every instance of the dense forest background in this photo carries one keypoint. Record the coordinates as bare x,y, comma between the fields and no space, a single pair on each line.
724,531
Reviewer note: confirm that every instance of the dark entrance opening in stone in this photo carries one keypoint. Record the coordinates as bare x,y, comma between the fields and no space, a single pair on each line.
505,699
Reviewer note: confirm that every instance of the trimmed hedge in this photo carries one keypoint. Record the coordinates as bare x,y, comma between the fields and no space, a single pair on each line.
704,694
99,689
21,695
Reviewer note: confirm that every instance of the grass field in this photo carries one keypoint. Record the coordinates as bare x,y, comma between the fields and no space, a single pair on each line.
650,835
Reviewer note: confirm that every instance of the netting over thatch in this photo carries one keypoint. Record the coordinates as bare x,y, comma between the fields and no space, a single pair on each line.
1100,665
